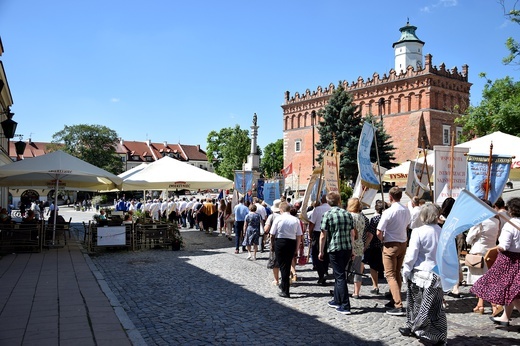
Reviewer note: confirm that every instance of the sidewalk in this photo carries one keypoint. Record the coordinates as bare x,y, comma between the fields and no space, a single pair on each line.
53,298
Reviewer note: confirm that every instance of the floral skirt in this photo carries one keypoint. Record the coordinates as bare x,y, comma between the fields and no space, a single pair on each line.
501,283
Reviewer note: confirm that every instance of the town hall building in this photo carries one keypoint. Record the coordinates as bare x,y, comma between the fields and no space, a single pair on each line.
413,89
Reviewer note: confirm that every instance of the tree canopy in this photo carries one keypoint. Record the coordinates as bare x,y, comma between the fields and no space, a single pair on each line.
342,122
94,144
228,150
499,110
272,160
511,44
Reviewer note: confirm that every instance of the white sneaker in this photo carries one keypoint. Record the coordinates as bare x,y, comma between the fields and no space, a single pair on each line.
220,234
249,257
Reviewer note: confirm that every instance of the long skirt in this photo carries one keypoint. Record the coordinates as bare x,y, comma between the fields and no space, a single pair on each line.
501,283
424,314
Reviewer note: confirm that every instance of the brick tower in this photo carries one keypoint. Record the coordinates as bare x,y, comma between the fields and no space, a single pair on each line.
410,91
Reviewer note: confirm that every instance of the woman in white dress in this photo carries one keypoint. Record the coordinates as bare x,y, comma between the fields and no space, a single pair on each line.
482,237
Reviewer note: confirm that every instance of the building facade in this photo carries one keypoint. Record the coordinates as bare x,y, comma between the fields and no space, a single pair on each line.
413,93
6,101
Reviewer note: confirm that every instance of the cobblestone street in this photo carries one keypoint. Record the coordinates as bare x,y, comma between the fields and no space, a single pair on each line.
206,294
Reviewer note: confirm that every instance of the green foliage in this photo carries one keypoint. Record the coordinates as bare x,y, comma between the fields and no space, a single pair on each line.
343,122
511,44
345,192
94,144
272,160
499,110
228,150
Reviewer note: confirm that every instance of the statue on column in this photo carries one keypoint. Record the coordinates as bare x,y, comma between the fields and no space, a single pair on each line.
254,119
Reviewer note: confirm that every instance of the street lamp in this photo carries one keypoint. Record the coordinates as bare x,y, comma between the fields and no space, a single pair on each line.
20,148
9,125
313,119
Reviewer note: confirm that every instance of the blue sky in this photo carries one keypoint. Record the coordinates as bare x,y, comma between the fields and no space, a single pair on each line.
170,70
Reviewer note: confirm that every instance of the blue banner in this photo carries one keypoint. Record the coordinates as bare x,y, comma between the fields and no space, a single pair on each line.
366,172
271,192
477,182
243,181
467,211
260,189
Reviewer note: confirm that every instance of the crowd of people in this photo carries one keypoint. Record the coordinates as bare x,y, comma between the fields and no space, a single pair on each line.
399,243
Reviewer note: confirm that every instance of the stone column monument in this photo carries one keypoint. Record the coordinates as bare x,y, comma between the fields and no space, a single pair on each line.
253,159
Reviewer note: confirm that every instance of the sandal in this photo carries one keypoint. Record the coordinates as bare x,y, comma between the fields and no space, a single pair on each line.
479,310
496,310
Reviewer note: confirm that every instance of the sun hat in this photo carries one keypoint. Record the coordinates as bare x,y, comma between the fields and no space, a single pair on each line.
276,206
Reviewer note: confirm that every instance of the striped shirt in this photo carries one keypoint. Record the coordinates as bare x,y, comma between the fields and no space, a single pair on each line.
339,225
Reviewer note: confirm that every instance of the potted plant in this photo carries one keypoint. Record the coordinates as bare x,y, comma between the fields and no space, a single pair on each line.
177,241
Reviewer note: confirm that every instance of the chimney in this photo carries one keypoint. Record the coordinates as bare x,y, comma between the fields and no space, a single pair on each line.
198,147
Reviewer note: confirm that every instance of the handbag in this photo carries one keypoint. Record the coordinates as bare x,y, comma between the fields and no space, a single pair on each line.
475,261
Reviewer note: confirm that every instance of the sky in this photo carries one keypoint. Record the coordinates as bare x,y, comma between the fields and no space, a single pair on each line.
170,70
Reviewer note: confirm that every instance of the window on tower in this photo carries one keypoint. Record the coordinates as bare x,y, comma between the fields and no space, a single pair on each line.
446,134
298,145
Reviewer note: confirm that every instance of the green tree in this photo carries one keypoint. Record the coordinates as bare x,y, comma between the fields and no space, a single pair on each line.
94,144
228,150
272,159
511,44
343,122
499,110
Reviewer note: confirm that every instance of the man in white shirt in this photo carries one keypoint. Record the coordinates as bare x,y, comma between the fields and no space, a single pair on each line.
315,233
182,211
286,234
189,212
391,230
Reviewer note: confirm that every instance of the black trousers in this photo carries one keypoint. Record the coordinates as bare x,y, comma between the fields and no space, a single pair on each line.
321,266
284,250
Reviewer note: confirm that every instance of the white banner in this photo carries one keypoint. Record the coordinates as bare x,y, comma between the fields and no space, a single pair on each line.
445,171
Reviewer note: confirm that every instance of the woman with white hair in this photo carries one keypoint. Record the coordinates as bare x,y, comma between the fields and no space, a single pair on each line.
425,317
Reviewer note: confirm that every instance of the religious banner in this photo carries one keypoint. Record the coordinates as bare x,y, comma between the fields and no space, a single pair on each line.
271,192
449,172
311,195
330,170
418,175
368,178
243,181
260,189
365,194
484,185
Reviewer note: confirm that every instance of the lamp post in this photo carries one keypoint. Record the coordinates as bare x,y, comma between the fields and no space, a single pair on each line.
20,148
313,119
8,126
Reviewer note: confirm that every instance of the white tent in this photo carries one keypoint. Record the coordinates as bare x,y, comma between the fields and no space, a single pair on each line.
171,174
132,171
399,174
503,144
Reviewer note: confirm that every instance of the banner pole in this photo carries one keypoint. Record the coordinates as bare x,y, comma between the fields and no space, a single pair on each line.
452,154
488,178
378,165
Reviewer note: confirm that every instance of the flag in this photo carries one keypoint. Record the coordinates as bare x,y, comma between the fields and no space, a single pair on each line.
477,181
287,171
243,181
449,172
368,178
467,211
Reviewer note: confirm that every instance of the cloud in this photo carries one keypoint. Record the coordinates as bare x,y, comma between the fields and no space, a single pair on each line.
440,3
114,100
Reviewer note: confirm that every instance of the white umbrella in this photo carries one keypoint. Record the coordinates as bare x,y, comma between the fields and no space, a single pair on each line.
57,169
169,174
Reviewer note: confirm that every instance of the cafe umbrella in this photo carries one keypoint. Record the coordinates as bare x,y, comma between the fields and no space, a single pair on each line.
55,170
